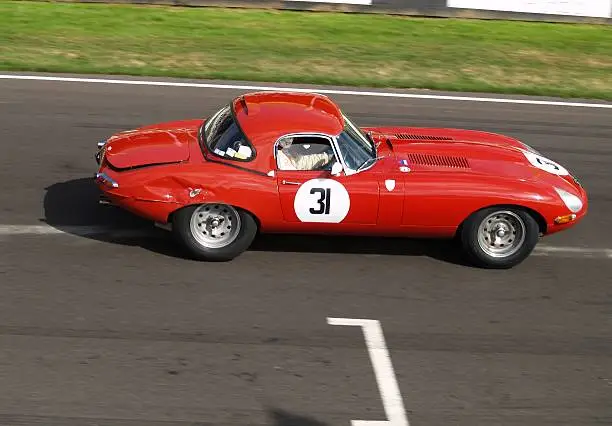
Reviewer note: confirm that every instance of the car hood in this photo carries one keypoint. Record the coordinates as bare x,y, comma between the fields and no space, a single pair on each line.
162,143
468,151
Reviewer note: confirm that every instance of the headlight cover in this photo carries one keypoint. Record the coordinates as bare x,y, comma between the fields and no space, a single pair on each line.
530,148
571,201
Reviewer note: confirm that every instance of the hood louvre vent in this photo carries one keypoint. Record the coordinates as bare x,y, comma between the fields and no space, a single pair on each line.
410,136
439,160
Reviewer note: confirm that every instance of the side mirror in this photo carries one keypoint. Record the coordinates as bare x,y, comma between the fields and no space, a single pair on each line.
336,169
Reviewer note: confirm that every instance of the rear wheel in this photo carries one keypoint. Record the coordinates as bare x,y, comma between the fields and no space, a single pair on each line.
499,237
214,232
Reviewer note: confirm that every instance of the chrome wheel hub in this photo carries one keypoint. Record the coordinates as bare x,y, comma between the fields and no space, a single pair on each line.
215,225
501,231
501,234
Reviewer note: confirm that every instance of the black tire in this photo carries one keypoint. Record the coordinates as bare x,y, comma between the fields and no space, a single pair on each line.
192,243
517,248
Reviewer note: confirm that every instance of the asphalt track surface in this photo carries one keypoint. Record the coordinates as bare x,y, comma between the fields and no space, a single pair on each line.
119,330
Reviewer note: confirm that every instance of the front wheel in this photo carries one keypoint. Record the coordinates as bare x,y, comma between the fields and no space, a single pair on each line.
499,238
214,232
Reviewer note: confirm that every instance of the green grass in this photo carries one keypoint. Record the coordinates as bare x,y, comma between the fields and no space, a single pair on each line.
323,48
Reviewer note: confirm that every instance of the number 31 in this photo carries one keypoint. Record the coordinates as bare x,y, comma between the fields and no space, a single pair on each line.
324,200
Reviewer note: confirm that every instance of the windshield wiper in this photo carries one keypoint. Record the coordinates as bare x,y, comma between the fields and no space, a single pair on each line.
371,139
368,162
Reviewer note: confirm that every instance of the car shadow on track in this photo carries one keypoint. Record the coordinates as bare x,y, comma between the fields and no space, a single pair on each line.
283,418
73,207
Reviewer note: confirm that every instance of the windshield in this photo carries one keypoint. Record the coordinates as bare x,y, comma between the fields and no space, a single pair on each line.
223,136
354,146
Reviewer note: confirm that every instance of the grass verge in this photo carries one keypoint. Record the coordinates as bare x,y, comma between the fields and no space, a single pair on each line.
568,60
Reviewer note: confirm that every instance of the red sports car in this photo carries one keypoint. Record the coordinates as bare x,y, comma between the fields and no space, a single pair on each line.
281,162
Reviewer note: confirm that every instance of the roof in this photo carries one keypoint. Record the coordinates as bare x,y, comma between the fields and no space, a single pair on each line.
266,116
269,115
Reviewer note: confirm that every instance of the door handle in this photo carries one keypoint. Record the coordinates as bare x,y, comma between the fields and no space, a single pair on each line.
288,182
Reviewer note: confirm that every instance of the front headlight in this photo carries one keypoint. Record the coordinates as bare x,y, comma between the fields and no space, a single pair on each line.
571,201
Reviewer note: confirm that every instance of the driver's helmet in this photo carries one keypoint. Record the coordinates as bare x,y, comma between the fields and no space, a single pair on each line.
285,143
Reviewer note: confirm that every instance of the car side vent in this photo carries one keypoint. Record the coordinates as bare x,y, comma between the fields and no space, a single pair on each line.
439,160
410,136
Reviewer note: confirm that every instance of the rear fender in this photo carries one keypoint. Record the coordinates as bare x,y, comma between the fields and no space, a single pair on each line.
259,197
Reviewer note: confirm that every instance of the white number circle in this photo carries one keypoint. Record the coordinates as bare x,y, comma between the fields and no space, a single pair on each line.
322,201
545,164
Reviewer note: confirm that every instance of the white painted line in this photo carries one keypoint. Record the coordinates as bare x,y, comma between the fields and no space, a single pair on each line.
303,90
28,230
581,251
383,370
8,230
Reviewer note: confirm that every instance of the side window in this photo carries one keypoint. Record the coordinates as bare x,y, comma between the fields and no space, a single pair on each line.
304,153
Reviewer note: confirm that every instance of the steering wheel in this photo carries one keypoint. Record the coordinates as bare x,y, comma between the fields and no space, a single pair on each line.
237,144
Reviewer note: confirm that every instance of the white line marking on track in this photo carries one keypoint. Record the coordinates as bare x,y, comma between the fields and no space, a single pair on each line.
581,251
9,230
28,230
383,370
303,90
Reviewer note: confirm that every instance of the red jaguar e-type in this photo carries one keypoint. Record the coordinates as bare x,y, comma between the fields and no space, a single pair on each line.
281,162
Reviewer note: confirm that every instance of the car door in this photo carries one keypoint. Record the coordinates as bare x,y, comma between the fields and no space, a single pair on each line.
309,197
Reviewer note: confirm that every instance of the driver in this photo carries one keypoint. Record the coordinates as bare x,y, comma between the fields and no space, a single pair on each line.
290,158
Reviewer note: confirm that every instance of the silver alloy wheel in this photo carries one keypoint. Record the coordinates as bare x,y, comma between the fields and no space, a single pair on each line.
501,234
215,225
